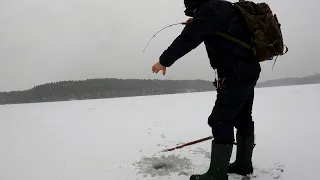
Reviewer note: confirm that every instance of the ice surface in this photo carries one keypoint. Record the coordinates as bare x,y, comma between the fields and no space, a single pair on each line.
122,138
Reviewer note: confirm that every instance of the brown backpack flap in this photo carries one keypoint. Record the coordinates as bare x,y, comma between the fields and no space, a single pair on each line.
266,35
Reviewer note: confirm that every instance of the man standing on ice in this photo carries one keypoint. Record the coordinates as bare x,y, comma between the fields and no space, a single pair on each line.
238,72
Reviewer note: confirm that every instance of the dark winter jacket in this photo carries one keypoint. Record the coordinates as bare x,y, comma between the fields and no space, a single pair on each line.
228,57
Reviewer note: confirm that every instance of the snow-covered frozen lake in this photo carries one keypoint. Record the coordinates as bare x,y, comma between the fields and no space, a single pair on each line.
121,138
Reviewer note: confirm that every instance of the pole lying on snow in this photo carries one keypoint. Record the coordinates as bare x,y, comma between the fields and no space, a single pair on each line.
188,144
194,142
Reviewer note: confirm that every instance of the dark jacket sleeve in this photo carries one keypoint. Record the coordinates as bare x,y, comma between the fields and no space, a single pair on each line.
206,22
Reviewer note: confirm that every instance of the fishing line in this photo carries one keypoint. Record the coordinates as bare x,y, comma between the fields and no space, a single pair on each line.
183,23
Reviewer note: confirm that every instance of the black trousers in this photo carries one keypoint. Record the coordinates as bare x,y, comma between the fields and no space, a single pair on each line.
233,108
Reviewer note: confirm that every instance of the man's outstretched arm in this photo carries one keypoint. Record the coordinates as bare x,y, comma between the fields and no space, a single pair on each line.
204,23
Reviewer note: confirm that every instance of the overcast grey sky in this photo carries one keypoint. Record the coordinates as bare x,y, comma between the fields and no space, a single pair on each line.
44,40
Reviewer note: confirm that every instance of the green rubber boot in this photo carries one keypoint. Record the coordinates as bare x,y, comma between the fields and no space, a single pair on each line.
218,170
243,162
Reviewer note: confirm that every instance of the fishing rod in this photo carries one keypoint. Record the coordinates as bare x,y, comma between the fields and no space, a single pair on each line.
183,23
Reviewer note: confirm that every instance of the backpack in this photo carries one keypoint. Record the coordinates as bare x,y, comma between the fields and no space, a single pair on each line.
266,35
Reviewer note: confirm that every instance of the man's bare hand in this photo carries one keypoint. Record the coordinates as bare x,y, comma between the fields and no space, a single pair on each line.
158,67
188,21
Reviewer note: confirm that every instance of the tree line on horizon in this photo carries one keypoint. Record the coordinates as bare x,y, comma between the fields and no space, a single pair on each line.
102,88
112,88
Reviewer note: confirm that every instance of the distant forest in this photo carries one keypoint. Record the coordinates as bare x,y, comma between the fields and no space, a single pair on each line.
312,79
111,88
102,88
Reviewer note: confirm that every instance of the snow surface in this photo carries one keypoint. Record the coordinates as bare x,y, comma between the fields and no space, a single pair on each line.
121,138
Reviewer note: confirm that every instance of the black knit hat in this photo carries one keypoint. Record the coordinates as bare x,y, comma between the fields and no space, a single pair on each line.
192,6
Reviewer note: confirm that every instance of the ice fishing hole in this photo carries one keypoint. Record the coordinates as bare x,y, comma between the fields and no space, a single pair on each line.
163,165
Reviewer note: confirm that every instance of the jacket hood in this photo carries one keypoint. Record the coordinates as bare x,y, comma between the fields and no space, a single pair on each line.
192,6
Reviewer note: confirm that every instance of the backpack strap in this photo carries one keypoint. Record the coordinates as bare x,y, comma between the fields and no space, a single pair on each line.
278,55
219,33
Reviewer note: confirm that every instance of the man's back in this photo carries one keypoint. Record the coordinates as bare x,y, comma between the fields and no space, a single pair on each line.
225,55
